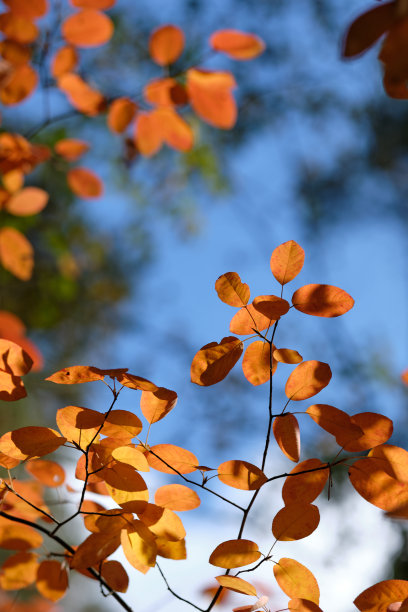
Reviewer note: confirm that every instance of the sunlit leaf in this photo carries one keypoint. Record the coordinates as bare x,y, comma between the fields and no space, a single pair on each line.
18,28
166,44
13,358
241,475
139,546
237,44
85,183
122,425
71,149
121,114
287,261
174,130
295,521
231,290
370,479
271,306
377,429
126,487
335,422
322,300
214,361
87,28
52,579
49,473
234,553
236,584
11,387
287,356
18,571
64,61
173,456
307,379
132,456
148,135
79,425
82,96
136,382
13,181
16,253
211,98
106,520
28,201
256,363
20,84
76,375
247,319
287,435
31,441
368,28
176,497
303,605
164,523
377,597
155,405
171,550
305,487
94,549
296,580
395,460
14,536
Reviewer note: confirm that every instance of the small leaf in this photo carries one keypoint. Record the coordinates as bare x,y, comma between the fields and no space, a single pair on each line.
13,358
322,300
52,580
171,550
176,497
28,201
166,44
287,435
287,261
82,96
132,456
237,44
139,546
296,580
164,523
307,379
295,521
155,405
79,425
256,363
236,584
87,28
71,149
16,253
287,356
115,576
214,361
241,475
211,98
303,605
49,473
64,61
271,306
231,290
122,425
20,84
85,183
18,537
95,549
234,553
305,487
247,319
121,114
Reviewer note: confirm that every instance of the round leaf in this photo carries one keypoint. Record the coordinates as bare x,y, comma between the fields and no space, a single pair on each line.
307,379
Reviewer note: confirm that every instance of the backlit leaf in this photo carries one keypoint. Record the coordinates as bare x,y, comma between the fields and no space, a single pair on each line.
271,306
234,553
18,571
126,487
71,149
32,10
303,605
241,475
164,523
287,261
13,358
256,363
377,597
28,201
85,183
237,44
49,473
171,550
79,425
214,361
395,460
368,28
304,488
148,135
136,382
82,96
165,92
236,584
322,300
166,44
121,114
122,425
307,379
94,549
176,497
175,457
335,422
377,429
14,536
155,405
231,290
11,387
295,521
375,485
211,98
30,442
296,580
287,356
139,546
64,61
16,253
20,84
132,456
76,375
52,579
247,319
287,435
87,28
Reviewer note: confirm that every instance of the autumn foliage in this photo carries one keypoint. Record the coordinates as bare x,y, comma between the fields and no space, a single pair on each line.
113,456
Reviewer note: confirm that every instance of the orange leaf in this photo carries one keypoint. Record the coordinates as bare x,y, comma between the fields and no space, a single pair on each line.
368,28
12,181
18,28
335,422
18,537
295,521
79,425
287,261
307,379
30,442
236,584
377,429
13,358
305,487
139,546
176,497
303,605
52,580
64,61
19,571
49,473
120,115
71,149
132,456
122,425
165,92
176,132
81,95
136,382
75,375
236,44
256,363
234,553
176,457
296,580
115,575
241,475
11,387
94,549
231,290
247,319
16,253
20,84
166,44
271,306
85,183
214,361
155,405
322,300
395,460
164,523
287,435
126,487
287,356
371,480
148,134
377,597
404,377
87,28
32,10
28,201
211,98
14,52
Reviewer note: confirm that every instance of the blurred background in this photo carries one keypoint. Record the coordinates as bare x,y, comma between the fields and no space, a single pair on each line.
319,155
